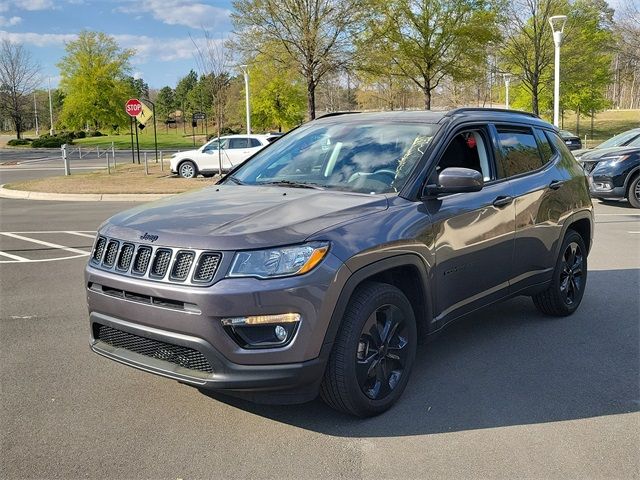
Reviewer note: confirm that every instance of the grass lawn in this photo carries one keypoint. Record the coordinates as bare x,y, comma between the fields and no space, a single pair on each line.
167,141
605,125
126,178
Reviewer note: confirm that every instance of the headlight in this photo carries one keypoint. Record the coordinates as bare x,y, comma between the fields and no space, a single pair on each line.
278,262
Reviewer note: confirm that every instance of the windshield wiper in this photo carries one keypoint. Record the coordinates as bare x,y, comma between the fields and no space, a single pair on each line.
289,183
236,181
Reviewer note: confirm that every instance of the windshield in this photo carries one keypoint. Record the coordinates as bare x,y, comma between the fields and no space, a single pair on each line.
620,139
374,157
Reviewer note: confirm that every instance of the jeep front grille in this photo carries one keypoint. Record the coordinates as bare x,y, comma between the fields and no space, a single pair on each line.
99,249
110,253
182,265
178,355
207,266
162,264
126,255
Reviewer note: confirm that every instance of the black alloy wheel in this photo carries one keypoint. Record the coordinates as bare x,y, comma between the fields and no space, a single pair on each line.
382,352
373,352
564,294
571,277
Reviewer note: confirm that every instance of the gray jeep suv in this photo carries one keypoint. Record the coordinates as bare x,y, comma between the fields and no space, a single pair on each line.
320,264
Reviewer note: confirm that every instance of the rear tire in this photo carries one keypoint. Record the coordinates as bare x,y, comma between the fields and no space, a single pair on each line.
633,194
373,354
564,294
187,169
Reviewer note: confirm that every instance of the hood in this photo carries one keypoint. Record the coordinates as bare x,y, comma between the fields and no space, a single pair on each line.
599,153
240,217
185,152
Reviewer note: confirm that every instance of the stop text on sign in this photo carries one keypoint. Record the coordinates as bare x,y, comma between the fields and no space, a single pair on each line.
133,107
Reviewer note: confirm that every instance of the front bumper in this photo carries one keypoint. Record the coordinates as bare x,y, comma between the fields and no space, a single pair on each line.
296,367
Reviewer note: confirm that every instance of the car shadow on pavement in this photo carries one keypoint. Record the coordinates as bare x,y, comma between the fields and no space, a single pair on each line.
507,365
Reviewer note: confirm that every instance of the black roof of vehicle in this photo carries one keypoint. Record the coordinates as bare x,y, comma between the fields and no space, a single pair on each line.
437,116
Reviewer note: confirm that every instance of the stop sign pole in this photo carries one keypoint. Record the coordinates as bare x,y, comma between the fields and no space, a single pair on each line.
133,107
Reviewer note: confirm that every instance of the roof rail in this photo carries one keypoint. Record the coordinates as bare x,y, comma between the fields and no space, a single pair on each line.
483,109
334,114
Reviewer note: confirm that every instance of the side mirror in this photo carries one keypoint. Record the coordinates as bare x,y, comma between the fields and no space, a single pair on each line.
455,180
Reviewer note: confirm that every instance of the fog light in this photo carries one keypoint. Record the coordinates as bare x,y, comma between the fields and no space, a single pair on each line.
281,333
262,331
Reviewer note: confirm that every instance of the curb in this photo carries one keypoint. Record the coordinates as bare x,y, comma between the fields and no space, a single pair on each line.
82,197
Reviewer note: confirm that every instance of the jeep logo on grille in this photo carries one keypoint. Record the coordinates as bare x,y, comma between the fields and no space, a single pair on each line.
151,238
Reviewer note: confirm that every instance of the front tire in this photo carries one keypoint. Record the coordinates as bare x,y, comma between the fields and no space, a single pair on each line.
633,194
187,169
373,354
569,280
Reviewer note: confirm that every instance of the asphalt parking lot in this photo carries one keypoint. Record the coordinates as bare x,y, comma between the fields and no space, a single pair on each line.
506,393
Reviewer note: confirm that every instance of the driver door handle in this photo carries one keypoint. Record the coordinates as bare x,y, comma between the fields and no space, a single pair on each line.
502,201
556,184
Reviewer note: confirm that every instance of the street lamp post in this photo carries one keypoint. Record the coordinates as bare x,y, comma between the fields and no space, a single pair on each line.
245,70
51,132
557,23
507,80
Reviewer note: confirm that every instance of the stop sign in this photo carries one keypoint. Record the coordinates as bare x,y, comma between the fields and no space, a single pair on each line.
133,107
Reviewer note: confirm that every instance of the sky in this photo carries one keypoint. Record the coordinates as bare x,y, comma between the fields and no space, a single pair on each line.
159,30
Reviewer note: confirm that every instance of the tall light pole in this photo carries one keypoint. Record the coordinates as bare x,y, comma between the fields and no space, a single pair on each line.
50,108
245,70
507,80
557,27
35,112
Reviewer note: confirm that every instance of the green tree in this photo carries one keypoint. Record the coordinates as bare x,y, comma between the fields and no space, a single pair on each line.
428,40
277,95
312,35
586,69
93,77
585,60
138,86
184,86
528,47
166,104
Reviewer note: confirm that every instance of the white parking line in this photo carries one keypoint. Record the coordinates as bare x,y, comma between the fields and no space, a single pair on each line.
60,231
617,214
81,234
13,257
46,244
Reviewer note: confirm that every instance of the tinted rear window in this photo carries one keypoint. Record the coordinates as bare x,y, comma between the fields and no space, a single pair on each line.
546,150
519,151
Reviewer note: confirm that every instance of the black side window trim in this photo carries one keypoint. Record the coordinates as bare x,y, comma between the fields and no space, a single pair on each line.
489,147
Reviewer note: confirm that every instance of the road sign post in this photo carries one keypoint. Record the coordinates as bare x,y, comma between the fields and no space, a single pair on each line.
133,107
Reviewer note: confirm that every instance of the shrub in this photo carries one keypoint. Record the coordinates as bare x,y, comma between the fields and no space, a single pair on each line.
96,133
50,142
14,142
80,134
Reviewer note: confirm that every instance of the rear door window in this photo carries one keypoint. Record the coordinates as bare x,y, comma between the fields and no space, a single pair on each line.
520,152
546,150
255,143
237,143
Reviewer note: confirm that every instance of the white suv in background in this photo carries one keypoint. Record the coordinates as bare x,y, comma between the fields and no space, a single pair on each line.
206,160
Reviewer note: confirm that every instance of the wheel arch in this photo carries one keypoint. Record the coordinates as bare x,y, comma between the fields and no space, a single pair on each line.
581,222
629,179
406,272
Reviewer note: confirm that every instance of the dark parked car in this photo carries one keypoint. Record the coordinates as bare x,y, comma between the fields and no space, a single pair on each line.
621,140
614,173
572,141
319,264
